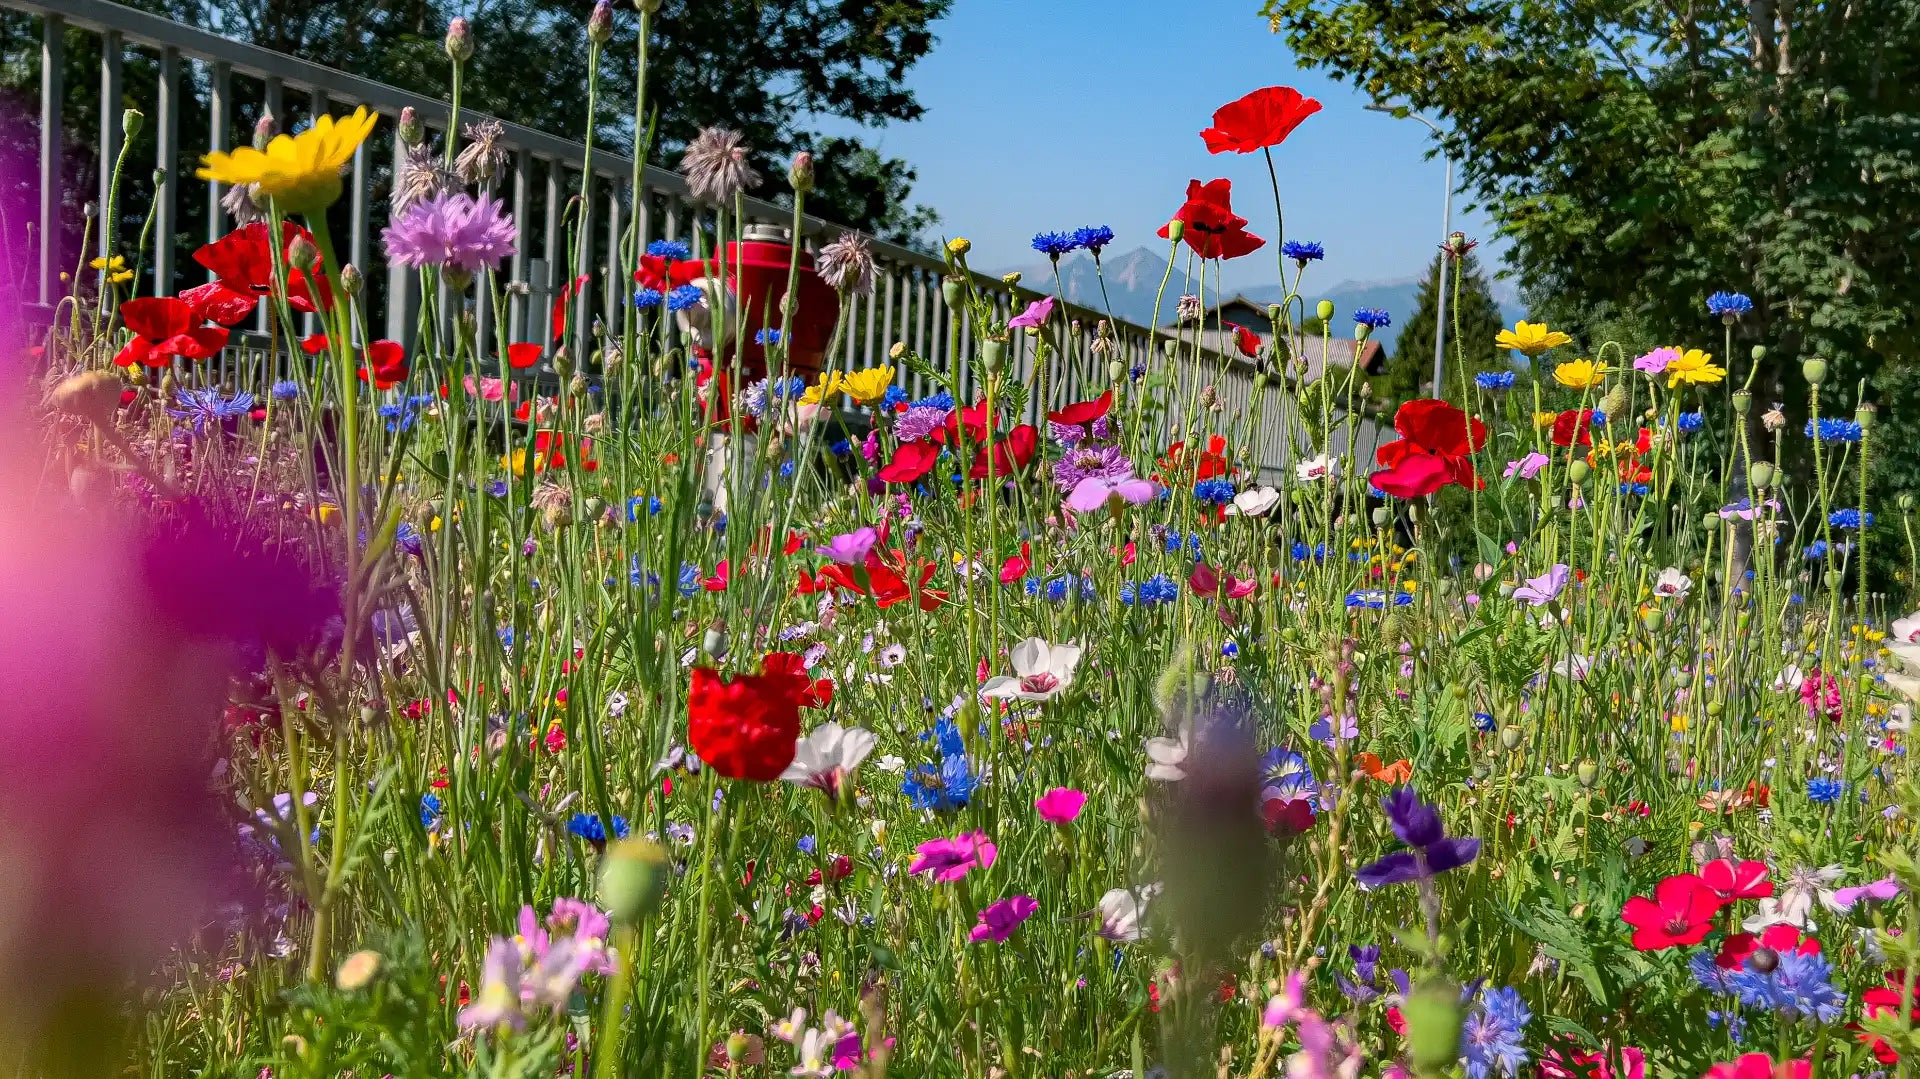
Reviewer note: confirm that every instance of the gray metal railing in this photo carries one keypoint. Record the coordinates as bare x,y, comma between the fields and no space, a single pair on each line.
196,66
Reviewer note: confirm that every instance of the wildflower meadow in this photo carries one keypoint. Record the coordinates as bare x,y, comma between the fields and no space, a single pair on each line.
670,697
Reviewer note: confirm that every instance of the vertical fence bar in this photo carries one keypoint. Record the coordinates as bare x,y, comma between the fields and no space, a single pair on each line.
517,305
219,120
616,266
167,153
112,49
869,353
53,62
275,104
399,278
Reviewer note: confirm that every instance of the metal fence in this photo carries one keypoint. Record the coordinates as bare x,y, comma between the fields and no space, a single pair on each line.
215,76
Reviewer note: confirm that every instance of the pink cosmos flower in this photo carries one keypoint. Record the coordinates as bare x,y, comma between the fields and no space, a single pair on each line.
949,859
1035,314
1527,467
1060,805
1655,362
1093,492
850,548
1001,917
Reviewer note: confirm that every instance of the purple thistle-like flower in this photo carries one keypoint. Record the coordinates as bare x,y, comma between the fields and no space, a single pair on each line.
454,232
1416,824
920,422
1088,461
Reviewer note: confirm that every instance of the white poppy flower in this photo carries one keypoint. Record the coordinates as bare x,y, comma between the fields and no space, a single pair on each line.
1041,671
827,756
1906,630
1323,467
1167,757
1121,911
1672,583
1254,502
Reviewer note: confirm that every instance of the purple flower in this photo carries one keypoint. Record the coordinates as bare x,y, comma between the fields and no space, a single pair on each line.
454,232
1656,361
1000,918
949,859
1527,467
1035,314
919,422
1417,825
1090,462
1323,731
850,548
1092,493
1542,590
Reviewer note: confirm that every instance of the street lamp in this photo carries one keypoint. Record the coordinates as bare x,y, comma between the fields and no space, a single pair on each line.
1446,230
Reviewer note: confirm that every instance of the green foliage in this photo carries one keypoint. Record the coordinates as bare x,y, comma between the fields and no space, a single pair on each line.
1469,334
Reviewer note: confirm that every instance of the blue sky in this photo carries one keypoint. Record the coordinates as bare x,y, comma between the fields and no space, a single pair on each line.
1050,114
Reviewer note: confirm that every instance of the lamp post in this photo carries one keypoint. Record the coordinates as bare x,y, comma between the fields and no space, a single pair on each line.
1446,230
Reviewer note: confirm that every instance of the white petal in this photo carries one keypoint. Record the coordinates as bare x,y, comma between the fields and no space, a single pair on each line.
1030,657
1001,686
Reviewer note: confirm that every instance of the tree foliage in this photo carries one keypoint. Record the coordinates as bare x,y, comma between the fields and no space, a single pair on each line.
1473,320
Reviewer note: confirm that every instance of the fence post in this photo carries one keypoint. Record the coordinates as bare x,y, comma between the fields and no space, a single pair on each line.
53,63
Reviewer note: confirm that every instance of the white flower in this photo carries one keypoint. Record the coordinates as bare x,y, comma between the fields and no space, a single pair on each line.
1167,757
893,655
1906,630
1323,467
1795,902
1907,680
616,704
1121,911
1254,502
815,1046
1789,679
1576,667
1672,583
827,756
891,763
1041,671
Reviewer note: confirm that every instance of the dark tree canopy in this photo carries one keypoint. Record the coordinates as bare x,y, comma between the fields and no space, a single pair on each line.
766,68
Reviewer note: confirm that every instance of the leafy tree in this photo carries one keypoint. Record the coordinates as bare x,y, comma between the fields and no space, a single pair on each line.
1473,320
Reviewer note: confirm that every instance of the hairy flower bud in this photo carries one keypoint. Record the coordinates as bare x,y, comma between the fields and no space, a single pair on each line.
351,279
264,129
460,40
302,254
411,129
800,173
1176,229
131,121
600,23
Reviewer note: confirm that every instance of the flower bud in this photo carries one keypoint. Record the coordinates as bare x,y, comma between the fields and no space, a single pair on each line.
577,385
1905,501
633,878
993,355
1116,370
1761,474
93,396
1814,371
301,254
1758,352
1511,736
959,246
460,40
1655,619
600,23
898,350
1361,331
1273,312
800,173
1176,230
1432,1014
1587,772
1325,310
562,362
1577,472
352,280
714,641
264,129
357,970
1012,278
131,121
411,129
647,7
1683,679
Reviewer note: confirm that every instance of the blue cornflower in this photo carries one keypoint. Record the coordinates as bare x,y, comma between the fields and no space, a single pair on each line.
285,390
894,398
669,249
1057,589
1483,721
1635,489
406,539
1230,650
1054,244
1596,418
1137,372
208,406
1376,599
1710,974
766,337
1494,1032
1835,430
1816,550
1798,987
593,829
807,844
1850,518
430,811
1303,251
1217,491
943,399
1372,317
1092,237
647,298
947,784
683,297
689,579
1494,380
1692,421
1159,588
1728,305
840,448
786,470
1825,791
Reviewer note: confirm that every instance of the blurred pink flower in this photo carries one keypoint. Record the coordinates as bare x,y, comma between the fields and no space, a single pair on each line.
1035,314
949,859
1060,805
1001,917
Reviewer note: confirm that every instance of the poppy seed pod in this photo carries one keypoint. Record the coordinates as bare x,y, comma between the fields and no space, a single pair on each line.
633,879
1325,310
714,641
1655,619
1587,772
1742,402
993,355
1814,371
647,7
1865,414
1511,736
1761,474
952,290
1577,472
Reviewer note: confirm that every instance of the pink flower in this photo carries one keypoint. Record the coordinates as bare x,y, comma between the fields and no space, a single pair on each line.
850,548
949,859
1544,588
1288,1005
1000,918
1527,467
489,389
1759,1066
870,449
1060,805
1093,492
1035,314
1656,361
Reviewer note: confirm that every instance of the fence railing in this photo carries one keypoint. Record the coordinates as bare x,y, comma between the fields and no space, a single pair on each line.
219,78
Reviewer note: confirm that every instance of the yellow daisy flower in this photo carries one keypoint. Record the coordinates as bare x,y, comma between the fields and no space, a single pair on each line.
116,268
1580,374
1695,368
869,385
299,172
1544,420
1531,338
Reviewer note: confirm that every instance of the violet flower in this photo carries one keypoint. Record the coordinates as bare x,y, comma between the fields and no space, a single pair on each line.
1527,467
1416,824
1001,917
1093,492
1542,590
457,233
850,548
949,859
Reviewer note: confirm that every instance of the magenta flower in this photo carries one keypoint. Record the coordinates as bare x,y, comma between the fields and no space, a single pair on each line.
1001,917
949,859
1060,805
1527,467
1092,493
1035,314
850,548
1655,362
454,232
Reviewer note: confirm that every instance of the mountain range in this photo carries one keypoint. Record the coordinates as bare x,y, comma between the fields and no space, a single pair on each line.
1133,278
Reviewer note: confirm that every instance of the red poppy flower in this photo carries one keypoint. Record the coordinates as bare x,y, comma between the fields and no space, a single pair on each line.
561,301
1287,817
811,692
386,365
1737,880
1211,462
1780,938
1010,454
1414,475
1246,341
1083,412
1436,429
523,355
314,344
974,416
664,275
1213,230
1261,119
718,582
1571,428
1882,1000
910,462
551,447
242,263
216,302
1680,913
744,729
165,327
1016,567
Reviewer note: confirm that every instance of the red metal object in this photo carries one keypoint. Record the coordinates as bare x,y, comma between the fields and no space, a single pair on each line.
757,276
